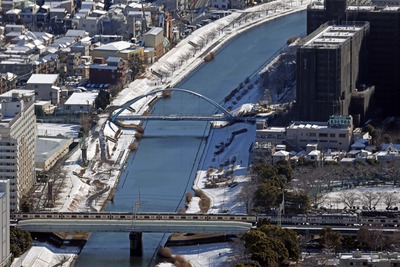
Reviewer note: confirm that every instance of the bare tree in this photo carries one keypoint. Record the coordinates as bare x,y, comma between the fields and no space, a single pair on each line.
370,199
390,199
349,198
85,122
246,195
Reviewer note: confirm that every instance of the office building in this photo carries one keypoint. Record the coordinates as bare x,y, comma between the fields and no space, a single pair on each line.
383,53
328,70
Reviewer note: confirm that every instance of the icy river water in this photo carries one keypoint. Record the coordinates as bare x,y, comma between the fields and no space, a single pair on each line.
163,168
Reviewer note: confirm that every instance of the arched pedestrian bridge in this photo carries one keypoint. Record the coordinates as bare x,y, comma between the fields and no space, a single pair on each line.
221,113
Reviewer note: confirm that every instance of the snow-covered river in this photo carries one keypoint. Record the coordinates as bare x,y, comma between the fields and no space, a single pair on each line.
163,168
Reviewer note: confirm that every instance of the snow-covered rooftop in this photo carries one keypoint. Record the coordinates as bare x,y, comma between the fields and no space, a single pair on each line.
43,79
115,46
82,98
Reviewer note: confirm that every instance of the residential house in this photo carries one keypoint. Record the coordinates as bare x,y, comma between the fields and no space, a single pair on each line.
388,153
80,102
12,4
28,14
77,34
12,16
45,87
73,61
122,49
113,72
8,81
280,155
91,24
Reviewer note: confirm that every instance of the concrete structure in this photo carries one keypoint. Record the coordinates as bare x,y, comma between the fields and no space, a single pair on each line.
262,152
154,38
80,102
328,70
335,134
378,259
383,52
5,256
122,49
49,151
18,143
45,87
114,72
383,42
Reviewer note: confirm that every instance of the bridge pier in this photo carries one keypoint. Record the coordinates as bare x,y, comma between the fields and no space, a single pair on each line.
136,244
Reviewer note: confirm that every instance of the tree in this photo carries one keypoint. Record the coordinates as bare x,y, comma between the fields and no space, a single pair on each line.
102,100
246,195
330,239
264,171
288,238
20,241
349,198
265,250
370,199
284,168
390,199
266,196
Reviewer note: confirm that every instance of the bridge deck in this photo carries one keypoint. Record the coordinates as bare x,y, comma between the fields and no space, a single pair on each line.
145,226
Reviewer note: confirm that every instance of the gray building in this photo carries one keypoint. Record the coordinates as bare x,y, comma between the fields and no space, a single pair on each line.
328,70
5,256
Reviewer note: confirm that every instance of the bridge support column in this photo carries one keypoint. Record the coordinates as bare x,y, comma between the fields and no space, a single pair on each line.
136,244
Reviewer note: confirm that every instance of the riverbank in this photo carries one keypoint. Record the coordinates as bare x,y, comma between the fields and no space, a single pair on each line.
99,173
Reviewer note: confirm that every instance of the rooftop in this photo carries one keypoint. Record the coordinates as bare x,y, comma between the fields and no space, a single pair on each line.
115,46
85,98
43,79
333,36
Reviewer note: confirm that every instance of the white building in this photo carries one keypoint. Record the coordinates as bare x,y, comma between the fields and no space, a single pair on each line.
18,143
335,134
80,102
50,150
380,259
45,87
5,255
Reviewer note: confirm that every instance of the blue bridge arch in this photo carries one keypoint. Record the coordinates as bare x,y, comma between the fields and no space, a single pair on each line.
127,104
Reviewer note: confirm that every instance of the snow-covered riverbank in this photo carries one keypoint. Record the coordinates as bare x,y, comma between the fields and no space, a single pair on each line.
81,183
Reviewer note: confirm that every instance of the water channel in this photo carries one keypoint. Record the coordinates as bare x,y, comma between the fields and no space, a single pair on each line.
163,168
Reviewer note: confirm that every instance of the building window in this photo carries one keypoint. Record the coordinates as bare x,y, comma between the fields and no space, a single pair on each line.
332,135
323,135
342,135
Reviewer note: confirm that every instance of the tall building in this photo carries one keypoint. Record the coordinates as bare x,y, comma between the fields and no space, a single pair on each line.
383,54
18,143
5,256
328,70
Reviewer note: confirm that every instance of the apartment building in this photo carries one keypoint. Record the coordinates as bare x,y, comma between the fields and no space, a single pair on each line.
5,256
18,143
